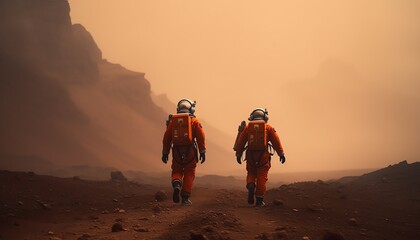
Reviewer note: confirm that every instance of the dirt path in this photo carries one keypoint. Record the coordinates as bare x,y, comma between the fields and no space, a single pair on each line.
36,207
215,213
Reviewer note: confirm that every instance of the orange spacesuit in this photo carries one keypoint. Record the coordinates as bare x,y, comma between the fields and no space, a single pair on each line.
184,152
257,156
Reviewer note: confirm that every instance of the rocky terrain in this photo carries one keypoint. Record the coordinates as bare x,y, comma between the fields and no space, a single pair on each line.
378,205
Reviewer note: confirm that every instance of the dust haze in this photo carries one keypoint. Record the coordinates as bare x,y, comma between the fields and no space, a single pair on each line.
86,88
340,79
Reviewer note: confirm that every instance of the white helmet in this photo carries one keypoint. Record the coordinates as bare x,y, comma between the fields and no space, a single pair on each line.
185,106
259,114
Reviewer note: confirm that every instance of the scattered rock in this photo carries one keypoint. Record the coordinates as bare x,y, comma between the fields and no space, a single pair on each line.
281,228
44,205
315,208
117,227
138,228
277,202
279,235
161,196
84,237
329,235
353,222
208,228
306,238
118,176
197,236
157,209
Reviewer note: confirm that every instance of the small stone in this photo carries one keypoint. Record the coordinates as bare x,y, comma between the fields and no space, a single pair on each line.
156,209
161,196
117,227
277,202
281,228
115,200
105,212
44,205
55,238
50,233
84,237
140,229
295,210
20,203
121,211
280,235
208,228
306,238
353,222
144,219
197,236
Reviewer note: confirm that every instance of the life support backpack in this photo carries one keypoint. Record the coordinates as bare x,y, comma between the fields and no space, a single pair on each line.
181,129
257,135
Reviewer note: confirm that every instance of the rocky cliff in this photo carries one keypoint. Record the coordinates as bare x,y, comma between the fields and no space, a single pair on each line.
63,105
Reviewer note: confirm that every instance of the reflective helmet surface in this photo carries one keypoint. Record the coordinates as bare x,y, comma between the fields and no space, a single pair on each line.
259,114
185,106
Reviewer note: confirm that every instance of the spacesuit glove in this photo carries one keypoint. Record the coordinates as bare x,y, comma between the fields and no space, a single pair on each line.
239,159
165,158
282,158
202,157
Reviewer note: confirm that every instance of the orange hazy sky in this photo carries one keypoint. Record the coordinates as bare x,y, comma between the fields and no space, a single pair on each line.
233,56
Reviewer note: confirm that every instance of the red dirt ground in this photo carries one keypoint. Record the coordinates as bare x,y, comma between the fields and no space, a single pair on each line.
380,205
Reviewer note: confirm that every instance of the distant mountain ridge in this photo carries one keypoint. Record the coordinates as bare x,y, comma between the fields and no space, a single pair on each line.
63,105
401,174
